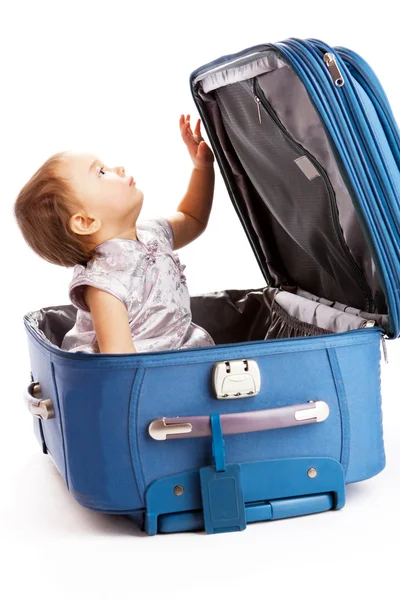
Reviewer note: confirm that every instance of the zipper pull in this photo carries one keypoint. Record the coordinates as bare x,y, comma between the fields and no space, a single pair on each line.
258,102
384,348
331,63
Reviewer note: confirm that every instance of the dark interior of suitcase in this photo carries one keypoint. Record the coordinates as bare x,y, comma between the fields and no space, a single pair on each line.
295,206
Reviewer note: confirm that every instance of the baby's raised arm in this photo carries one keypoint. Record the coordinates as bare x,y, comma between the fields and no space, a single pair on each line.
110,321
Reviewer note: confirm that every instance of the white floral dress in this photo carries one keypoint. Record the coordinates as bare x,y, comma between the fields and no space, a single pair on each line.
147,276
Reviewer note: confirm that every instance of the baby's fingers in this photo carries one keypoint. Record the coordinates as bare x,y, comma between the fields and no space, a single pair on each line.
186,131
197,128
185,123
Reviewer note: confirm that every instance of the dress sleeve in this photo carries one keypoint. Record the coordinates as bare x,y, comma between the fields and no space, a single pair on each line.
100,275
164,231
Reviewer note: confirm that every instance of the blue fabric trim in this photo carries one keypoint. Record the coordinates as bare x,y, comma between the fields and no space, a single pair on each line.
344,411
133,433
60,415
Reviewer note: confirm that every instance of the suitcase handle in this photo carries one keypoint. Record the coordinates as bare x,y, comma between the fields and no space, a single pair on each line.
244,422
43,409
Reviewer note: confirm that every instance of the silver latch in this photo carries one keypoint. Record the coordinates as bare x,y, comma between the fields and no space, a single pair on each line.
236,379
160,430
319,411
43,409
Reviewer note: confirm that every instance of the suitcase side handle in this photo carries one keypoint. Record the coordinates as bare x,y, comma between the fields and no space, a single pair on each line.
43,409
243,422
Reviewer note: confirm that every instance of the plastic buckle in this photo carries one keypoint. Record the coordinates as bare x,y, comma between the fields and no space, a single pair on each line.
221,488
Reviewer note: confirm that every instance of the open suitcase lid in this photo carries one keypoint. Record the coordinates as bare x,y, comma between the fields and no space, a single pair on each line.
310,153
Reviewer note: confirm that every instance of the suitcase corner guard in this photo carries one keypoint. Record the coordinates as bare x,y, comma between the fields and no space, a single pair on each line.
225,497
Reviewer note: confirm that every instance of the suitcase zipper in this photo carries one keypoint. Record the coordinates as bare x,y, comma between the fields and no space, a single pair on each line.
330,61
384,347
303,56
260,98
258,102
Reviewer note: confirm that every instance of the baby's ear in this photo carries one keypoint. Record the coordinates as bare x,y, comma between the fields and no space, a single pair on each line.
84,224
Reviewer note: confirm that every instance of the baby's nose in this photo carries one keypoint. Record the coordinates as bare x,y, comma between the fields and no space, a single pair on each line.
121,170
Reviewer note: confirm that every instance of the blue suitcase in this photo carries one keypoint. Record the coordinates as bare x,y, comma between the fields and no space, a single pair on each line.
285,410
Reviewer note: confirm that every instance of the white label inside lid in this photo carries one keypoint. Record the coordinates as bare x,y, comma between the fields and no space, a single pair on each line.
307,167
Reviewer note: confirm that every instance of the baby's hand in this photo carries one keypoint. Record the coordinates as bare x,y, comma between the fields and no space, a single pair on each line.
200,153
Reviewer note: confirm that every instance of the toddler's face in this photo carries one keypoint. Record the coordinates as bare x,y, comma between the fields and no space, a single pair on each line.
108,194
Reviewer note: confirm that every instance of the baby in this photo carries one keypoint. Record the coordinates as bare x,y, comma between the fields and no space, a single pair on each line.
128,283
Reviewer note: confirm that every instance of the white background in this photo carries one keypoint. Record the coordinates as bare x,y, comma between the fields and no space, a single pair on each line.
112,78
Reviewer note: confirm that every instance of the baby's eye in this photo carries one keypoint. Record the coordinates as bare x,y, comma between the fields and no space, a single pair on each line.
101,171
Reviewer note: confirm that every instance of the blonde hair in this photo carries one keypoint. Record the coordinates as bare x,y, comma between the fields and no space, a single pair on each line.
43,209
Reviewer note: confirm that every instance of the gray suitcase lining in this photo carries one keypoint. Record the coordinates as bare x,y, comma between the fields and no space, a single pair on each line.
234,316
293,194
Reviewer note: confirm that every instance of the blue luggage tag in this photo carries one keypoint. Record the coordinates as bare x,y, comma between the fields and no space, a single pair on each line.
221,488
